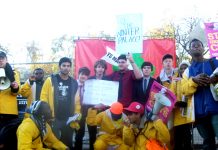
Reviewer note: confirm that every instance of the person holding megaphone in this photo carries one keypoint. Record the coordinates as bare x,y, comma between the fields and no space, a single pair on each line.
143,133
9,88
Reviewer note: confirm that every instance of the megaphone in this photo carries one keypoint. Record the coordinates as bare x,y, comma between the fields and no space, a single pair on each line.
4,81
160,101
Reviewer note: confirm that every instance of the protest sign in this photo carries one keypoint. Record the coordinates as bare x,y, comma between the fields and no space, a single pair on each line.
111,57
129,36
211,30
100,91
165,111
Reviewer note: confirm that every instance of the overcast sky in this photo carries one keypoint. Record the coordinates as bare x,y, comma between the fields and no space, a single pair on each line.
43,20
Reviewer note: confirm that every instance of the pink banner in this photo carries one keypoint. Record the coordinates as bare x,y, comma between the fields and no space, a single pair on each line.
165,111
211,30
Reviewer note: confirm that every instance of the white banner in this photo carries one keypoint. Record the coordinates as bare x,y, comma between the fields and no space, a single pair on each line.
100,91
129,36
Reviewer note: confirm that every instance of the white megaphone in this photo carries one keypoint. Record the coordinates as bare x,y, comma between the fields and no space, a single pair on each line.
4,81
160,101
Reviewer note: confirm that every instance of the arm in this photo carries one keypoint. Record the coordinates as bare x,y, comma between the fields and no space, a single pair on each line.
77,103
24,137
128,136
52,142
188,86
99,118
25,90
163,134
137,72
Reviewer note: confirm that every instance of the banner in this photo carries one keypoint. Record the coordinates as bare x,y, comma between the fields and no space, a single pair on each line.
129,36
100,91
211,30
164,111
88,51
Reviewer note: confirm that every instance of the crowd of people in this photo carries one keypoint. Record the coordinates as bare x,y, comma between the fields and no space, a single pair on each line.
55,108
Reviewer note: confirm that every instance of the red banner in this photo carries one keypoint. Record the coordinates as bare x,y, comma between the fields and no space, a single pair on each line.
88,51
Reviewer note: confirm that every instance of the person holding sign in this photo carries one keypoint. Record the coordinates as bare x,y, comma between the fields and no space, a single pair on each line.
142,134
126,78
195,82
100,68
111,123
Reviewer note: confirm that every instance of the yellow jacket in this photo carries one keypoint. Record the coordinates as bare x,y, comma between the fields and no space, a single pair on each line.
28,137
26,91
8,100
110,129
179,119
47,95
152,130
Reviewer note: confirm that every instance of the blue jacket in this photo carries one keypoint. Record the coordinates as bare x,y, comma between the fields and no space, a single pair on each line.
203,99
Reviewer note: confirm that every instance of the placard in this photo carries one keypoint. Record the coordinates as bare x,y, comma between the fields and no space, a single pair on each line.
100,91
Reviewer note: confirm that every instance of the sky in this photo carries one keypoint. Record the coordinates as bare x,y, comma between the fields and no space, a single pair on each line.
23,21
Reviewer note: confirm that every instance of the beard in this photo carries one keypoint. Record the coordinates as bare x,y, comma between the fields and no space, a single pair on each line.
196,54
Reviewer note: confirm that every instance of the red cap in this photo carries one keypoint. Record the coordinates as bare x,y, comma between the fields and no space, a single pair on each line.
116,108
135,107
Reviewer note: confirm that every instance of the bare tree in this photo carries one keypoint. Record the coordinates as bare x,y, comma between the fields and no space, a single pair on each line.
33,52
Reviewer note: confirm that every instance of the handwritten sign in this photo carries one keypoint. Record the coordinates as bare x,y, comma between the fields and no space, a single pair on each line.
111,57
165,110
100,91
129,36
211,30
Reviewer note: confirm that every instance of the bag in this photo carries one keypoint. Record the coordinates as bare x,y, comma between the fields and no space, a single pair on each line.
155,145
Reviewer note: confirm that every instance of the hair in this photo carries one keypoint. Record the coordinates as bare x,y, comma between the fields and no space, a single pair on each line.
101,63
167,56
195,40
122,56
84,71
146,63
63,60
38,69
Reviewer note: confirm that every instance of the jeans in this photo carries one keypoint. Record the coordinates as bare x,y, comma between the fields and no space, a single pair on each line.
63,132
208,129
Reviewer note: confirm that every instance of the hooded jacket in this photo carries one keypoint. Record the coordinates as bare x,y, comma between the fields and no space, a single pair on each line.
29,138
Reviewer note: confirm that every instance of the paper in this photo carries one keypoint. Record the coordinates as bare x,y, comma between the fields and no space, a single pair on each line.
100,91
129,36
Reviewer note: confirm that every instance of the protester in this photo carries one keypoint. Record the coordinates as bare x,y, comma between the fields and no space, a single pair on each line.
126,78
8,104
33,86
168,72
34,132
195,82
110,123
141,88
139,133
59,92
84,73
100,68
182,133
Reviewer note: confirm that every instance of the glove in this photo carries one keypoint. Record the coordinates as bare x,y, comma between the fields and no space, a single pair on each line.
9,72
75,125
181,104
